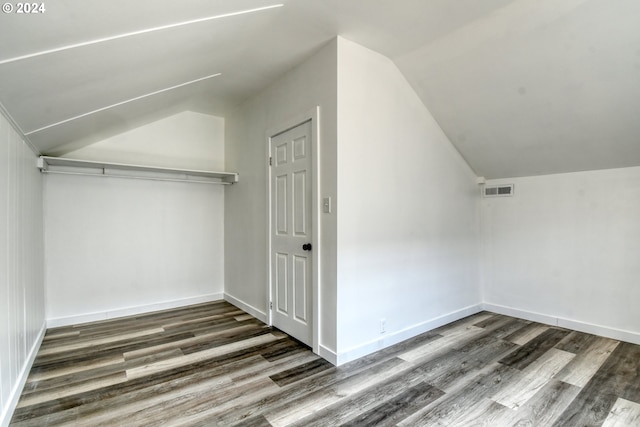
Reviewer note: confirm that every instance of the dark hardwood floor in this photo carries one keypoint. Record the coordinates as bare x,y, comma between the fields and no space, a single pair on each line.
212,364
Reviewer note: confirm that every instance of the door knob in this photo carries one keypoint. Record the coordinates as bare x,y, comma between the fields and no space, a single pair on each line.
306,247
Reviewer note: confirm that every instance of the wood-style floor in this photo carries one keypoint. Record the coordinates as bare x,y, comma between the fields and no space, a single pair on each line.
212,364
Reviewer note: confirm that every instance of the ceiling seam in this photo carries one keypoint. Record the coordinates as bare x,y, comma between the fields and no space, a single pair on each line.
137,98
136,33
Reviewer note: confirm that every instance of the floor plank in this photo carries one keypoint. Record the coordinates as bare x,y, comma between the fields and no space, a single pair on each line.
533,378
624,413
581,369
456,404
532,350
214,365
527,333
618,377
544,408
399,407
366,404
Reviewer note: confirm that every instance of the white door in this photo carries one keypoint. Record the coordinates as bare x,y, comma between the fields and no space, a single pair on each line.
291,245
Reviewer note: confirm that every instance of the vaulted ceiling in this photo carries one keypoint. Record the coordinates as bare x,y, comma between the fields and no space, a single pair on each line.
520,87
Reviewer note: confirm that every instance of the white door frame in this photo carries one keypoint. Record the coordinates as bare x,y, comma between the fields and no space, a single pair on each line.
312,115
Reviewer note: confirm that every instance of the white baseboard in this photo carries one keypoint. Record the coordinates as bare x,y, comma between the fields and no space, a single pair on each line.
14,396
396,337
328,354
589,328
521,314
130,311
255,312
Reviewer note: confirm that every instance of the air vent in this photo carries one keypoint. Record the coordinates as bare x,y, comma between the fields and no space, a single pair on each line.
498,190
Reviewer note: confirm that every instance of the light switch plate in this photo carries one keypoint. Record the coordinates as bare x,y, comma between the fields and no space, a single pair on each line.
326,205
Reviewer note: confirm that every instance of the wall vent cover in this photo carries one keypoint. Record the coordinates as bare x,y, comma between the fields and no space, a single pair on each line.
505,190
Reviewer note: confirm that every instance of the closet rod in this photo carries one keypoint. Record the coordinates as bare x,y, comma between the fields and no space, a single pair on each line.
149,178
44,162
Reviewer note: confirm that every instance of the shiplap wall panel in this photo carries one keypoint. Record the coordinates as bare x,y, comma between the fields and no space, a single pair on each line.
22,319
5,354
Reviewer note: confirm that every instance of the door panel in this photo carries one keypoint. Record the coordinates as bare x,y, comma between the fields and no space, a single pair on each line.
282,283
291,229
300,289
281,154
300,203
300,148
281,205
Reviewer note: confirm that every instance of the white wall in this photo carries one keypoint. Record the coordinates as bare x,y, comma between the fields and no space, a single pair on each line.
116,246
565,250
22,316
311,84
186,140
405,202
408,222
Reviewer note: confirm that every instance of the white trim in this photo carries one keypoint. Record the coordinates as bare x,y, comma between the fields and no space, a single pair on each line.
328,355
14,396
129,311
18,129
248,308
521,314
390,339
589,328
312,115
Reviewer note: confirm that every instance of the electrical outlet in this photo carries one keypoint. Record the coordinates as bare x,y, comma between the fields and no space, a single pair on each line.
383,326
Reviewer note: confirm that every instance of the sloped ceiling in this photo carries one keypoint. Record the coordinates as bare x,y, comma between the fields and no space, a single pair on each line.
521,87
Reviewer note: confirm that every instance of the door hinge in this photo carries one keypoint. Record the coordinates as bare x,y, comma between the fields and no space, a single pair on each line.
270,161
270,305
